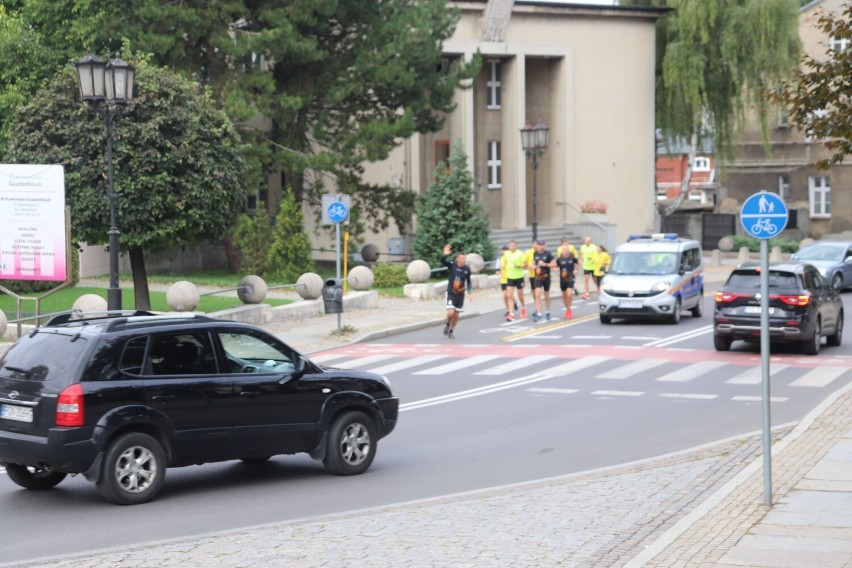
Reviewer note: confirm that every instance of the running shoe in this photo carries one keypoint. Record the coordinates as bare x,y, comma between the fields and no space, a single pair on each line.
510,316
547,316
537,316
450,335
570,314
565,315
446,329
523,313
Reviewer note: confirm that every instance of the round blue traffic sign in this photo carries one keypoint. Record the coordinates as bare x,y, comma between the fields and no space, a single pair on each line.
764,215
337,212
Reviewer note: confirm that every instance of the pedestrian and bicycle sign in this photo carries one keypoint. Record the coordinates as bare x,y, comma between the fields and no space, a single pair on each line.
335,208
764,215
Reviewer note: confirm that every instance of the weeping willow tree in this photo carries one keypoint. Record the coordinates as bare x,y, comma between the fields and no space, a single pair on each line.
713,59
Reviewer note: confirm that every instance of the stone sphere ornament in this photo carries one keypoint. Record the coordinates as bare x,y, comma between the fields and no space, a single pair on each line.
476,262
90,303
418,271
360,278
252,289
183,296
4,322
309,286
726,244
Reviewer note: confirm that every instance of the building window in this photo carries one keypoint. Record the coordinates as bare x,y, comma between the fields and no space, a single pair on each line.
442,153
819,190
839,44
784,187
495,165
783,118
701,164
493,85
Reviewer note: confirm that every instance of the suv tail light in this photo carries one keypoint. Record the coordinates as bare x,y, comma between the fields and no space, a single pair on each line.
794,300
69,406
725,297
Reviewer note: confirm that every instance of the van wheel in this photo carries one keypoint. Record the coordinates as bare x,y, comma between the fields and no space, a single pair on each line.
351,444
34,478
605,319
134,469
698,310
675,317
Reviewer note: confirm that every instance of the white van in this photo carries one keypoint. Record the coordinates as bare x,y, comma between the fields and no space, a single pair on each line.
653,276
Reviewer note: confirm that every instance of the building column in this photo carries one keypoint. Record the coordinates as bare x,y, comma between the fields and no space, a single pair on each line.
520,94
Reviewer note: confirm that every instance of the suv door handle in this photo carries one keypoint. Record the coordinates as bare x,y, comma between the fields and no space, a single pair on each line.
250,394
163,398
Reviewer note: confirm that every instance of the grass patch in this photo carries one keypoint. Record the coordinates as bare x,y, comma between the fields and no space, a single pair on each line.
63,300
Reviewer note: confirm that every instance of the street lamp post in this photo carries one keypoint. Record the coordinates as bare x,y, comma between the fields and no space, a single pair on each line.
534,143
107,88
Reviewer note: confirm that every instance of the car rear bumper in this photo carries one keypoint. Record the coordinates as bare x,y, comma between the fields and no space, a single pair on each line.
62,450
750,331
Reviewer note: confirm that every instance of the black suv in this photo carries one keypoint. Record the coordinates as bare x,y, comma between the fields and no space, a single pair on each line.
120,399
802,307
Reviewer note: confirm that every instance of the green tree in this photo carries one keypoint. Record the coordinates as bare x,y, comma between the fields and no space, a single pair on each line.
447,213
177,163
818,98
713,60
338,82
289,255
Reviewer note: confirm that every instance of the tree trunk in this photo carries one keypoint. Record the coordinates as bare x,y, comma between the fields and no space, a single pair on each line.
684,183
232,253
141,297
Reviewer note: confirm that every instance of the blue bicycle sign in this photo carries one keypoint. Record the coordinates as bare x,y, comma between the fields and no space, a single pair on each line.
764,215
337,212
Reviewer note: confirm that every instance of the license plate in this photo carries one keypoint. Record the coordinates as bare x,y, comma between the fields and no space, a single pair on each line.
630,304
756,310
19,413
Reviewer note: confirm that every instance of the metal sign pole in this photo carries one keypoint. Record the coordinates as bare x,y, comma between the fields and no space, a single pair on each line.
339,315
764,366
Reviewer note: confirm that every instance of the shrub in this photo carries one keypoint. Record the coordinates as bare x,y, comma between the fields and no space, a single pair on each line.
389,275
753,244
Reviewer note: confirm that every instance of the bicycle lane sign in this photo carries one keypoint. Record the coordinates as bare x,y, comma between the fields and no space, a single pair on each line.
764,215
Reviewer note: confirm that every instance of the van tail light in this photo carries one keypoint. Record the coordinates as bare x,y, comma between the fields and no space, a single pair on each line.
69,407
800,301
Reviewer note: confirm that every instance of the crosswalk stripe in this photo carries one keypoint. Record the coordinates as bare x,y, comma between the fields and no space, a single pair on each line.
631,369
689,396
692,371
819,377
408,363
576,365
742,398
458,365
361,362
516,364
328,357
616,393
552,390
754,375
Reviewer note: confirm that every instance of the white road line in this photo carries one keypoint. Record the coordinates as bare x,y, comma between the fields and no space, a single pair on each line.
754,375
666,341
479,391
457,365
616,393
591,337
549,337
327,358
361,362
692,371
630,369
639,338
554,391
689,396
759,398
515,365
576,365
407,364
819,377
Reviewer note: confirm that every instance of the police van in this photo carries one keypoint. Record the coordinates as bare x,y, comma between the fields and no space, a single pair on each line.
653,276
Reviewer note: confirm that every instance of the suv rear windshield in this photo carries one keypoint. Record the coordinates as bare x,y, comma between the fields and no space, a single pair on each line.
750,280
42,357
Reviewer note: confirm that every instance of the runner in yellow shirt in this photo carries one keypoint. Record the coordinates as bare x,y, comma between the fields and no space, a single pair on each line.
515,265
588,253
602,262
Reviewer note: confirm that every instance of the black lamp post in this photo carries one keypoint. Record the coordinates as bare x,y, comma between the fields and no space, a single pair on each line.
107,88
534,143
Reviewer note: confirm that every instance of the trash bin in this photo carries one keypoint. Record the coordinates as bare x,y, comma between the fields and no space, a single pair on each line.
332,296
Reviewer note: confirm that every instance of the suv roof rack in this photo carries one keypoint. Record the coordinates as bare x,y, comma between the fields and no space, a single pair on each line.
81,317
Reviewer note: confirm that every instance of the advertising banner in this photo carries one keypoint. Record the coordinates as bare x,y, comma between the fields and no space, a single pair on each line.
32,222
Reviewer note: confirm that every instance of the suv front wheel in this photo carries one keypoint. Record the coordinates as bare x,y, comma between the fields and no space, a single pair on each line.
351,444
134,469
35,478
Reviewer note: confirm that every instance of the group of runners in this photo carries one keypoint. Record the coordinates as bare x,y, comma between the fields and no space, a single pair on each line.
514,266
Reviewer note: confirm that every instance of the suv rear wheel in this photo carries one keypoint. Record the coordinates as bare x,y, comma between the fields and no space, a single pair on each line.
134,469
35,478
351,444
837,337
722,343
811,346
